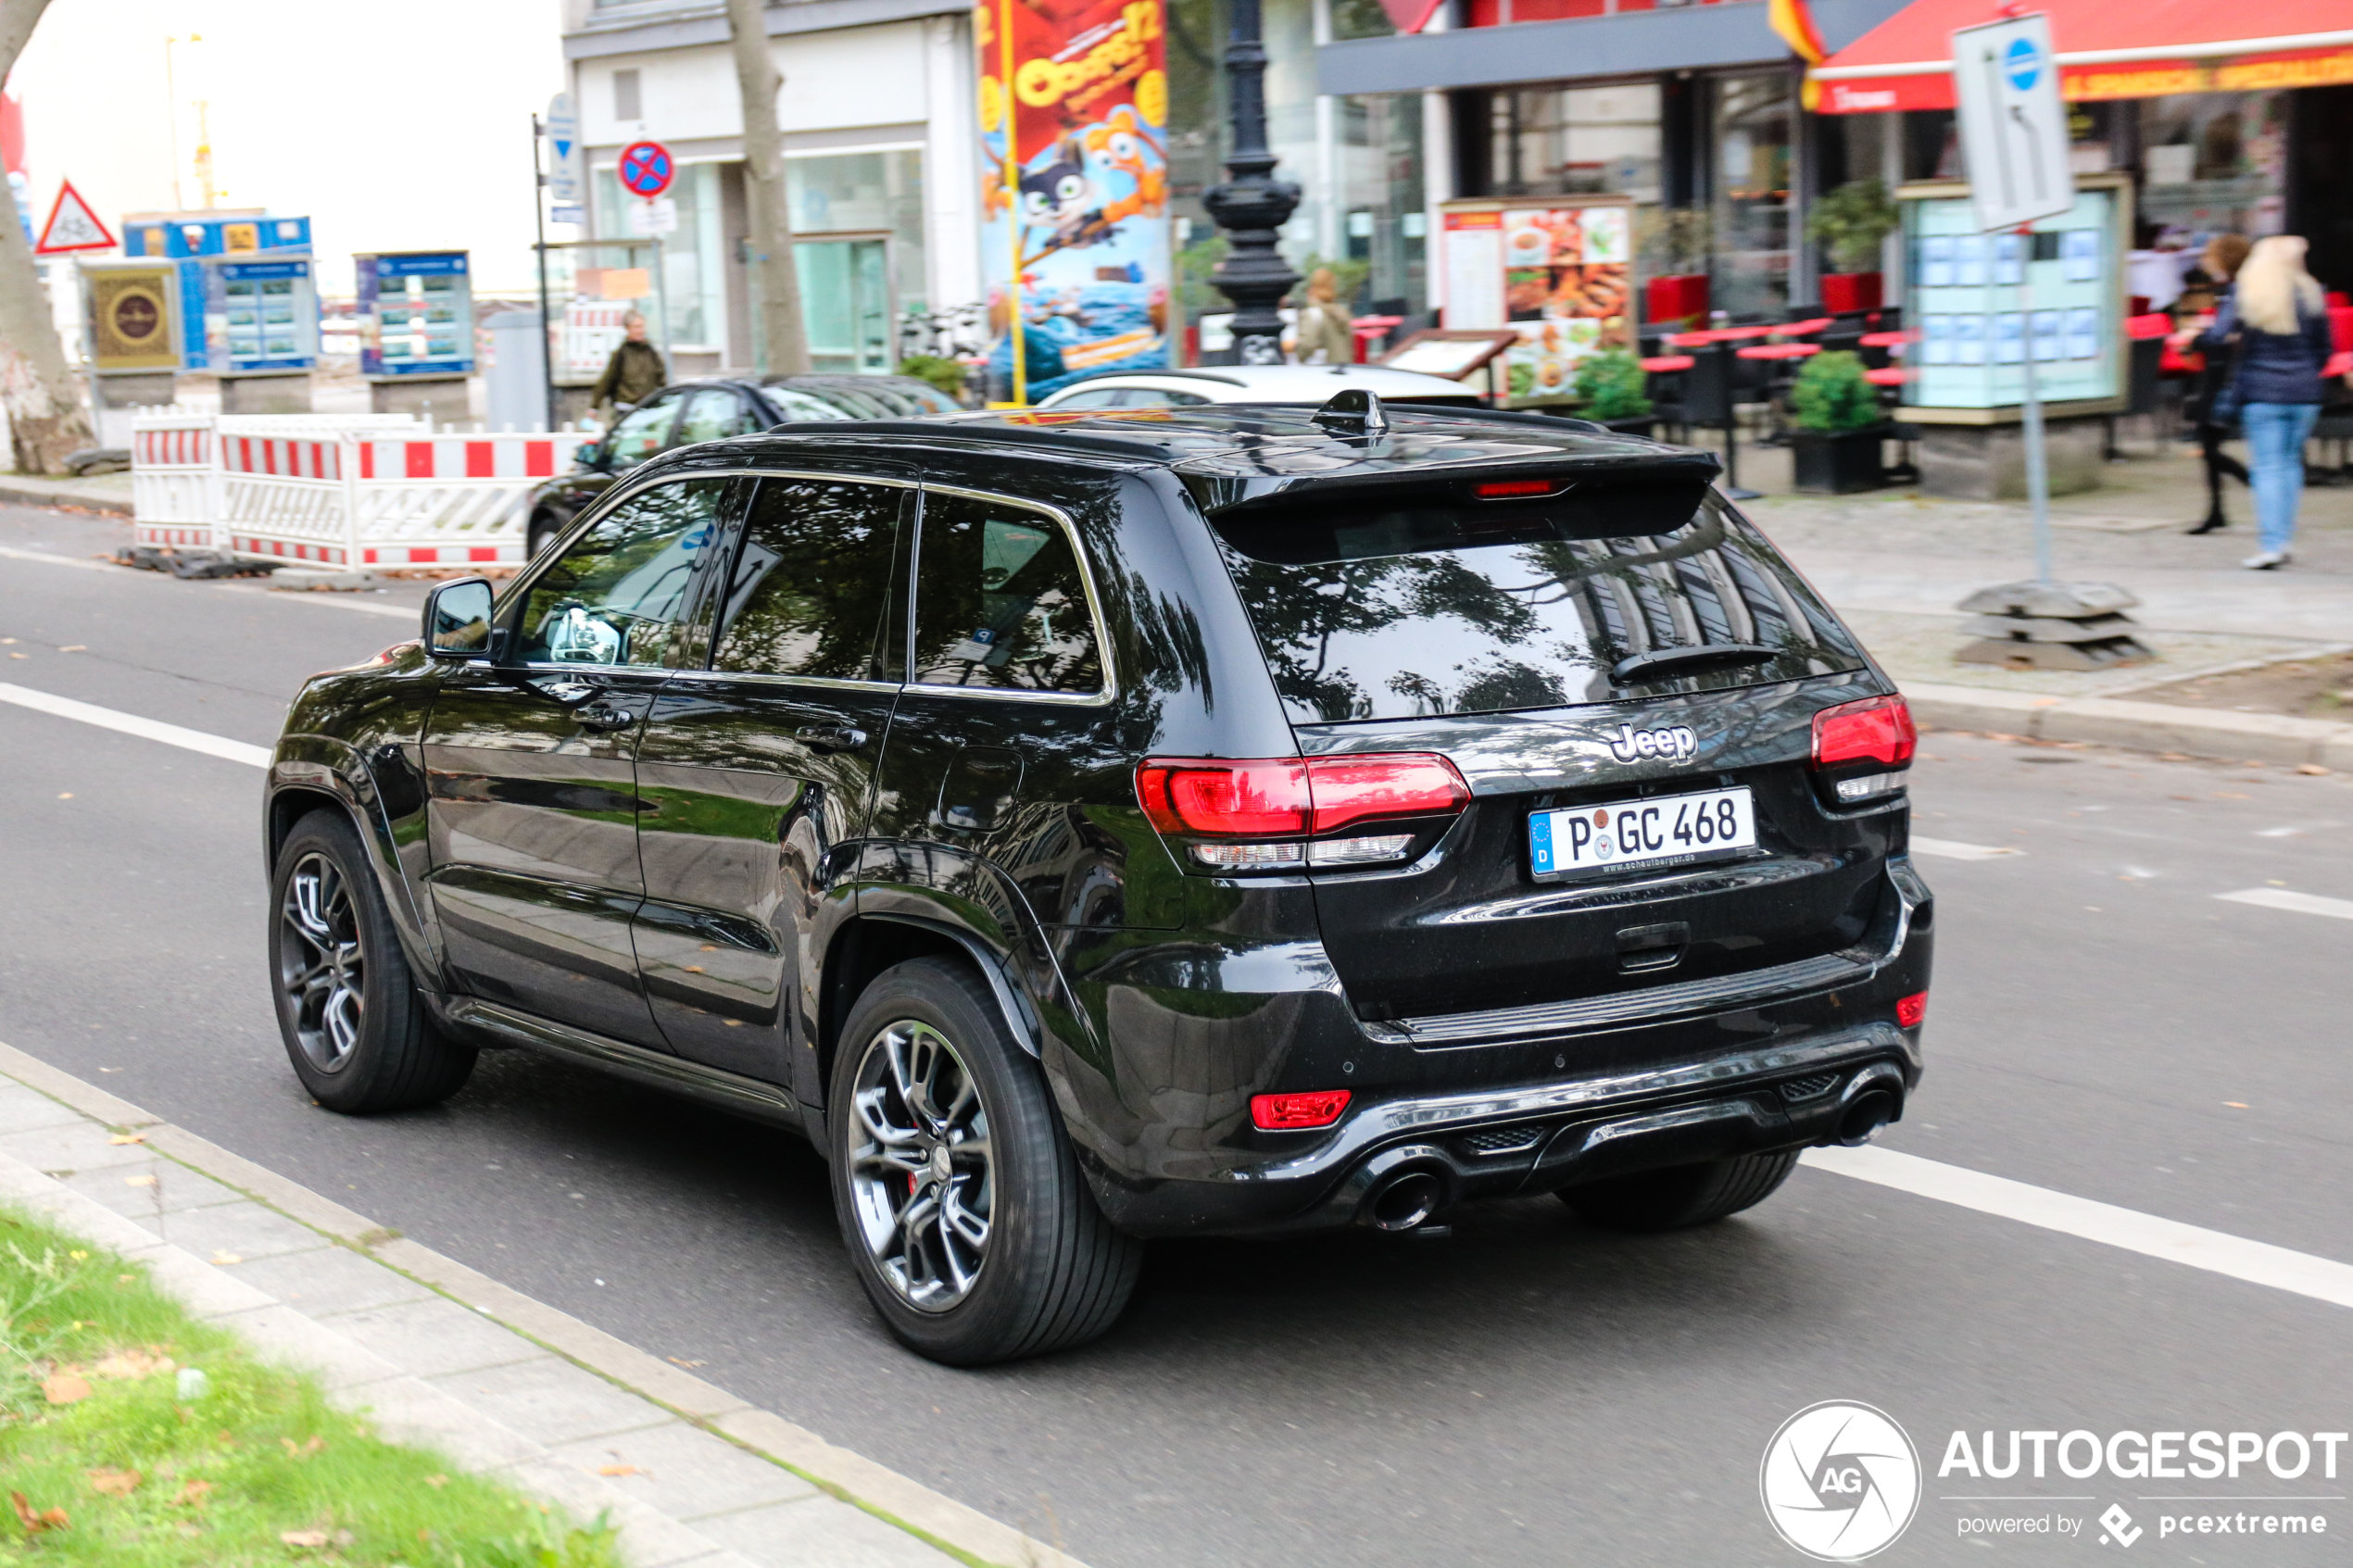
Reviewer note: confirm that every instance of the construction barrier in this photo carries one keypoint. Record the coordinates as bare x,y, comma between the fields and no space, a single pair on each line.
366,491
172,477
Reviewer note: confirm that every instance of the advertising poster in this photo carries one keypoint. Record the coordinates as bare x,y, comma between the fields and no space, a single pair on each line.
416,314
1560,277
130,318
262,316
1074,117
1965,288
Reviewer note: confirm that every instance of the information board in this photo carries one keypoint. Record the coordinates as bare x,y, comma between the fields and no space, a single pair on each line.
262,316
416,314
1560,276
1972,338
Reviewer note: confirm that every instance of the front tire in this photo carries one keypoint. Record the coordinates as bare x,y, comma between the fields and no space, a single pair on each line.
1681,1195
354,1026
959,1195
545,526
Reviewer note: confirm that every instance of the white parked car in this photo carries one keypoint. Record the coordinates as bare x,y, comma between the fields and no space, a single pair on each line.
1311,385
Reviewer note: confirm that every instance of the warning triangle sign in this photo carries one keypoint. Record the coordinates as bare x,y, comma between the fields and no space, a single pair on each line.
72,226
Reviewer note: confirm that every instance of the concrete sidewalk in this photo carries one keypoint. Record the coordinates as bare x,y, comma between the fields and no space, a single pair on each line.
441,1355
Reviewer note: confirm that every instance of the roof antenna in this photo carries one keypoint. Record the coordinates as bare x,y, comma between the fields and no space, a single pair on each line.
1356,411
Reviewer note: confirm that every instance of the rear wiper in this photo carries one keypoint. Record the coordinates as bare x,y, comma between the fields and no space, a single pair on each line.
1649,666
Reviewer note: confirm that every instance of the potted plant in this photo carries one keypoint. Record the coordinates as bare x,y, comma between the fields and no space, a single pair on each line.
1850,223
1838,428
1610,391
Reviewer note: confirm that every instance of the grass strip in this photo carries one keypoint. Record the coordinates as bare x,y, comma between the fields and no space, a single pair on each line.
134,1437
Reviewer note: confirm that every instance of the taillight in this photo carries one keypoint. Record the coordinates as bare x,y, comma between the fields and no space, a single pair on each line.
1296,807
1875,734
1291,1113
1910,1009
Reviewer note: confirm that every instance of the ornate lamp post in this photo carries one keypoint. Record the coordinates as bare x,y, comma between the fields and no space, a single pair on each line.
1251,205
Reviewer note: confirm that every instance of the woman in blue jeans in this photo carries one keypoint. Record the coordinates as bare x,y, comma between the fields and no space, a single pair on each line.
2281,319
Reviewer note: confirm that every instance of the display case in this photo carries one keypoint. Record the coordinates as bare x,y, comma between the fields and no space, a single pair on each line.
1556,272
261,317
1970,335
416,314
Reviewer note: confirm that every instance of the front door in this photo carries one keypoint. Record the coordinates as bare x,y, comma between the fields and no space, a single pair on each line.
758,774
533,807
845,303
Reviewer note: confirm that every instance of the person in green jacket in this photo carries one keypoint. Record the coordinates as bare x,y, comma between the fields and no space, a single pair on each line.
634,373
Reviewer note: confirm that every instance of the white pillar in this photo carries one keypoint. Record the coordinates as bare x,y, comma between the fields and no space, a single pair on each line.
952,164
1328,194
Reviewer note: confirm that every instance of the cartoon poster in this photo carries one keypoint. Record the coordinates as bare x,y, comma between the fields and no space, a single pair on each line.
1074,190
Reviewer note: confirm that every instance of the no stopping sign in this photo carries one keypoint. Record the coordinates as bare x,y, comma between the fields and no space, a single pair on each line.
646,168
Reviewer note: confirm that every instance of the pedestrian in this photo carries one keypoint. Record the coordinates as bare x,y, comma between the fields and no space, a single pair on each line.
1325,334
2280,318
634,373
2225,254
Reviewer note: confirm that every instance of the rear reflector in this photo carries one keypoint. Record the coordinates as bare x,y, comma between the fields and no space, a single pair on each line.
1217,798
1878,728
1910,1009
1290,1113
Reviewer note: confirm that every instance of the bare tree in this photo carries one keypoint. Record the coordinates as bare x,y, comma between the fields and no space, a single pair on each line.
782,330
45,420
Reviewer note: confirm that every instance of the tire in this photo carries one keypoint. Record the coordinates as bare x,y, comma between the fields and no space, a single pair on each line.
1681,1195
1048,1271
358,1049
545,526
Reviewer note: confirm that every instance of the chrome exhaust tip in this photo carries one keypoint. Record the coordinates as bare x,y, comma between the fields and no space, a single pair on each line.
1864,1116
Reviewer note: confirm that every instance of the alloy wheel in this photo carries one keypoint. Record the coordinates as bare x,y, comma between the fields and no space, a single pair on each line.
922,1176
320,968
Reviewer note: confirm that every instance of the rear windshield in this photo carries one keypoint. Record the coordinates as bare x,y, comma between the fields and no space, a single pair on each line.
1426,611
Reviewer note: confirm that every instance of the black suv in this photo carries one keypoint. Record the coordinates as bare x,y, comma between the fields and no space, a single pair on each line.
1087,828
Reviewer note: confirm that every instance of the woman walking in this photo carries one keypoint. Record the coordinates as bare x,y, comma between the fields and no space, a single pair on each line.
2281,319
1324,335
2225,254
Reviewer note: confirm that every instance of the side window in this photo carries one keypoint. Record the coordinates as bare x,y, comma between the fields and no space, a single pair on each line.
619,594
641,432
1097,398
1000,601
812,586
713,414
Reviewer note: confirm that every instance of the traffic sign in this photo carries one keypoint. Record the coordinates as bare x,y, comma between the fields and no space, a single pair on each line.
2013,125
659,216
646,168
72,226
563,140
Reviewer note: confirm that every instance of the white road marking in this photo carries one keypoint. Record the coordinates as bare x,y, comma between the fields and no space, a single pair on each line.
57,560
1953,849
2258,1263
2281,899
131,724
339,601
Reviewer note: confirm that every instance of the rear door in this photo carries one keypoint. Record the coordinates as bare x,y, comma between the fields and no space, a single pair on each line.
1553,670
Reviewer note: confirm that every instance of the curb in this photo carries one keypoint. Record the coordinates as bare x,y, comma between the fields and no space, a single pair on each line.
927,1517
2138,726
56,500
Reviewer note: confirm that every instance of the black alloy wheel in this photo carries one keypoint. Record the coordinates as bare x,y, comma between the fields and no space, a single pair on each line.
354,1027
959,1195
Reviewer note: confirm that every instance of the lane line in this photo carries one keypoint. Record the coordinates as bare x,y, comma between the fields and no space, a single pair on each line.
1953,849
2281,899
338,601
2256,1262
131,724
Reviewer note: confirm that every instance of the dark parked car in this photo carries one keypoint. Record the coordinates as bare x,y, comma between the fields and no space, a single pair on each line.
1087,828
712,411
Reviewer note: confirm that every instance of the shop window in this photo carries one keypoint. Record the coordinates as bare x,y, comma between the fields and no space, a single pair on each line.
625,103
2214,163
1574,140
1751,174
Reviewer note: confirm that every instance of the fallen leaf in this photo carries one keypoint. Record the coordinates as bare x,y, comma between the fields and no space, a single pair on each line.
193,1494
128,1137
303,1537
65,1388
680,1361
66,796
114,1483
618,1470
226,1258
47,1519
138,1181
436,1482
2235,1104
2312,768
75,648
306,1450
133,1363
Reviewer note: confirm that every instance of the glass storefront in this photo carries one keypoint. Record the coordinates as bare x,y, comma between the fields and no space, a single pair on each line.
693,255
1752,177
1572,140
2214,163
1385,223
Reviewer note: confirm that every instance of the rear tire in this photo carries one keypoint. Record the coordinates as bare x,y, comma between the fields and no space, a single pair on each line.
545,526
1681,1195
354,1026
959,1195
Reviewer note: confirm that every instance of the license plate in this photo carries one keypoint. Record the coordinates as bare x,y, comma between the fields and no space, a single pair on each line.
1640,832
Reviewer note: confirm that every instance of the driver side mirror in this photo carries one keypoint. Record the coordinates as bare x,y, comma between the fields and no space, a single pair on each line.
590,454
458,618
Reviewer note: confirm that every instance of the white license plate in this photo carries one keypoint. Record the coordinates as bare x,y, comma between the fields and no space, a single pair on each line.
1640,832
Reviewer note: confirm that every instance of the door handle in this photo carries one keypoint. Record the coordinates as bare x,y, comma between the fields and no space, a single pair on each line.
596,716
831,737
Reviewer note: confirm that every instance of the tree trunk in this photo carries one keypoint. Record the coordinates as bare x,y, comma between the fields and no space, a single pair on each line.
782,328
45,420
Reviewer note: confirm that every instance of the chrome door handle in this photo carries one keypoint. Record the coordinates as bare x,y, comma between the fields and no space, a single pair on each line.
596,716
831,737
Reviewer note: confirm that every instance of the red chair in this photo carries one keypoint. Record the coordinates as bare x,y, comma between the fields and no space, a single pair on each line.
2157,324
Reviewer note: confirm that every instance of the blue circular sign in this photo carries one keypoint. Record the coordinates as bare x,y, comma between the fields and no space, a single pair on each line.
2021,62
646,168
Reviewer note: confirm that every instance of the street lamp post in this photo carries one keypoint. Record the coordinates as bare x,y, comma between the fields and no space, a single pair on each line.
1251,204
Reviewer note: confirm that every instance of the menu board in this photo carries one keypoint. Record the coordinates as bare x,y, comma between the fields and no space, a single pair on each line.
1561,276
262,316
416,314
1974,333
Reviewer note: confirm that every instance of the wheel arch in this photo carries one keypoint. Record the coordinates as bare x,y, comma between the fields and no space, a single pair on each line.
869,942
324,788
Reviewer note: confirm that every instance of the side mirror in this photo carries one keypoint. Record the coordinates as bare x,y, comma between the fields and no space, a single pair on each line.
589,454
458,618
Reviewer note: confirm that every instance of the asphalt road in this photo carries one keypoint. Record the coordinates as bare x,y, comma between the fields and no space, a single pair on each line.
1529,1391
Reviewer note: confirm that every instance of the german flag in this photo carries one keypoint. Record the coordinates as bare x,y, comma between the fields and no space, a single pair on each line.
1793,19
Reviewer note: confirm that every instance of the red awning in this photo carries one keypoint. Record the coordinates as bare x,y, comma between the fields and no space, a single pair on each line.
2106,49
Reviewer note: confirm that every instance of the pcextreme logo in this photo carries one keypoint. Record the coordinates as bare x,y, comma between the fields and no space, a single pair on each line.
1841,1481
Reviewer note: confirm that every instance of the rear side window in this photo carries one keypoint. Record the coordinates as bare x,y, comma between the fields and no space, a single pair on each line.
1001,602
1420,611
812,588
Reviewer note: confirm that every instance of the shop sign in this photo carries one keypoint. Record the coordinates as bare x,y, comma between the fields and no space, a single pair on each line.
1074,128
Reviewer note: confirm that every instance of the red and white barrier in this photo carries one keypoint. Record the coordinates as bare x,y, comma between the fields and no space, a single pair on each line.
172,477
